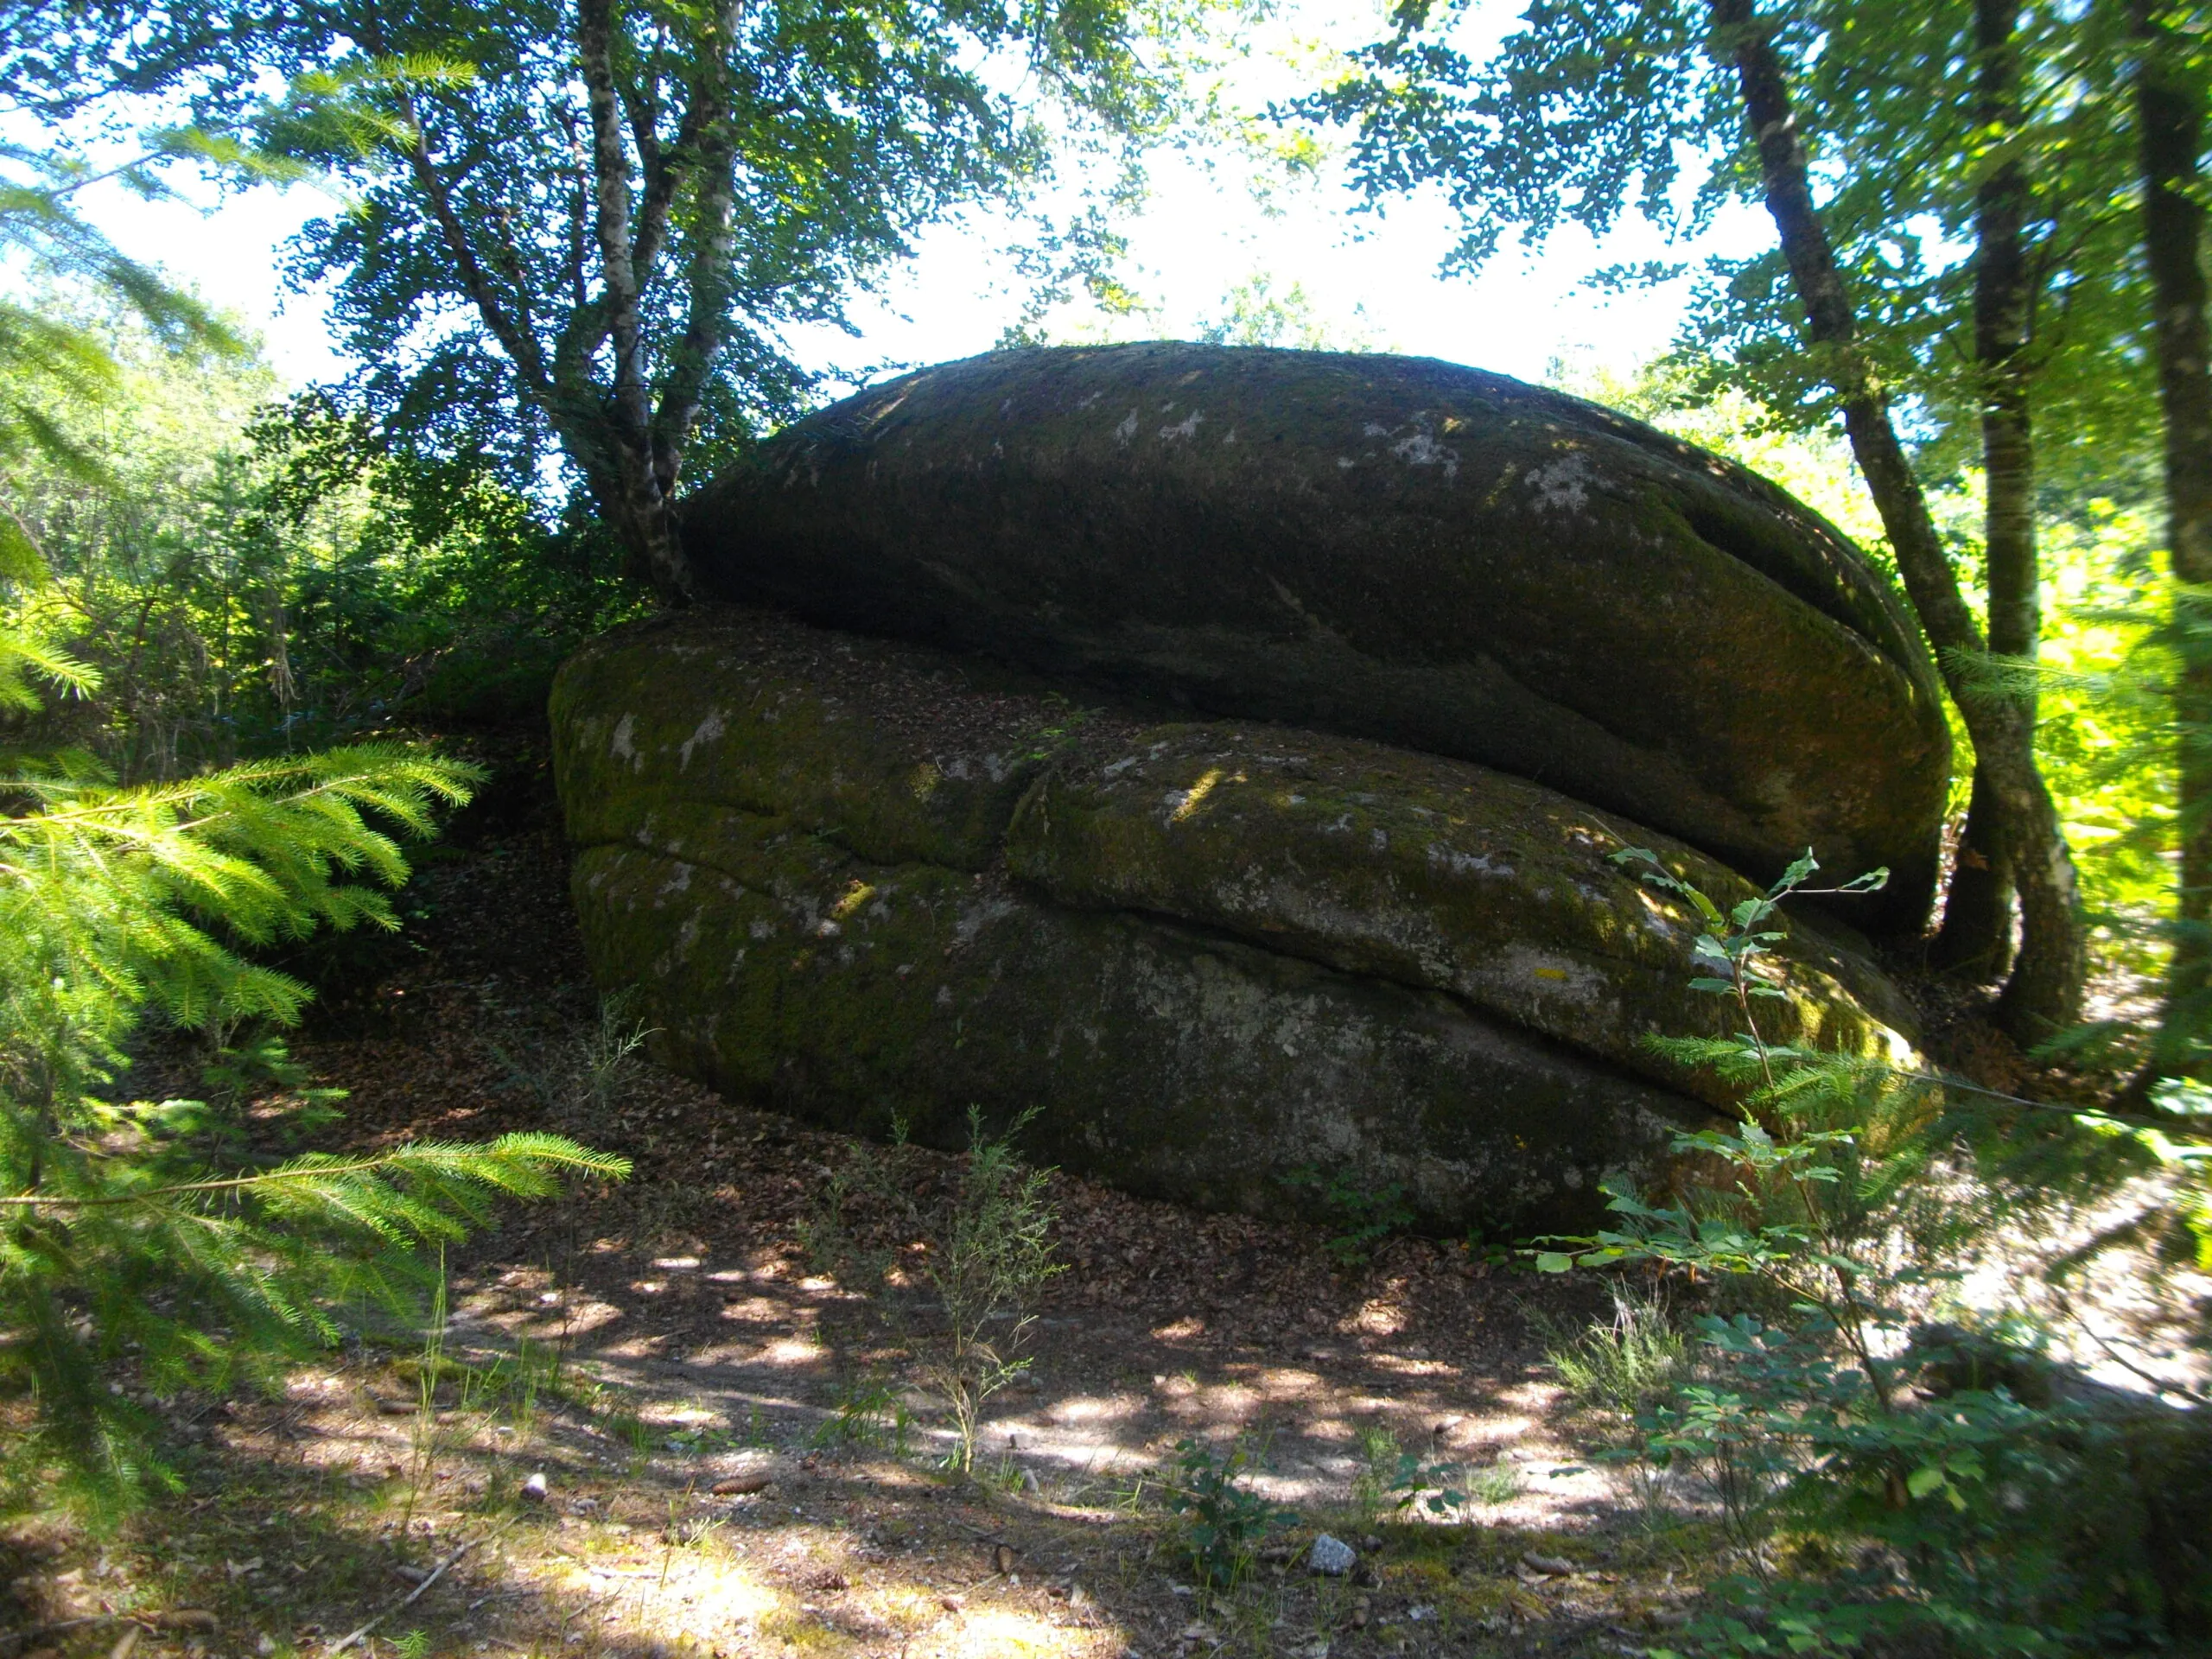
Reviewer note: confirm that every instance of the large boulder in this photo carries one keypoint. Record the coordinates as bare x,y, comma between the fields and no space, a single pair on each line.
1383,547
860,881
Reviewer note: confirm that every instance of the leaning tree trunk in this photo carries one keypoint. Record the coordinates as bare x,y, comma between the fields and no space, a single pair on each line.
1976,938
2169,115
2044,994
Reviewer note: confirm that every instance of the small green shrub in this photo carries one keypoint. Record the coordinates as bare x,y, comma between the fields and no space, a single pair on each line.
1379,1454
868,1414
1628,1364
1500,1482
1224,1521
1363,1218
1449,1489
1960,1515
581,1079
956,1269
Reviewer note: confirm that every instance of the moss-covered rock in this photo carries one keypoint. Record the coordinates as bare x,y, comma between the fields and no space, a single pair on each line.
1427,873
1384,546
859,881
790,974
892,752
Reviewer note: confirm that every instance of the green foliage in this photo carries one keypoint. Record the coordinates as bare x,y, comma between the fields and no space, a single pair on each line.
2103,681
131,1240
1626,1366
1224,1520
1584,114
1255,314
945,1262
114,898
118,1239
2004,1526
50,360
869,1414
240,575
1379,1453
614,212
1362,1216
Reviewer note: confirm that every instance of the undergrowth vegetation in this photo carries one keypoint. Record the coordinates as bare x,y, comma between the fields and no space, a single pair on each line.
153,1234
161,837
954,1269
243,574
1888,1462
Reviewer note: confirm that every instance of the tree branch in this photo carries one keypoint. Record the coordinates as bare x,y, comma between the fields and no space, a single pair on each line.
520,345
611,191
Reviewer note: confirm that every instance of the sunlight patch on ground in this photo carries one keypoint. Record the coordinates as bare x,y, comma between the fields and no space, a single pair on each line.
1536,1398
1412,1367
791,1351
1094,1408
1001,1633
755,1309
1287,1382
582,1320
1379,1316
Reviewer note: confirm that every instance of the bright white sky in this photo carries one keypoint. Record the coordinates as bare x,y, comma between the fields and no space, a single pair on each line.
1365,280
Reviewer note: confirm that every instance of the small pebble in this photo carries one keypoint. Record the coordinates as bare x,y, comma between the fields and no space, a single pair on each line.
1330,1557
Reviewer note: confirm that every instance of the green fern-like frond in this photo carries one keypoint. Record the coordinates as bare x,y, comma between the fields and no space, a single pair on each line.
117,1236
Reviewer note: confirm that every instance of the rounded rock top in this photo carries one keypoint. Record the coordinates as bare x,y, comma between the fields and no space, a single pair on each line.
1384,546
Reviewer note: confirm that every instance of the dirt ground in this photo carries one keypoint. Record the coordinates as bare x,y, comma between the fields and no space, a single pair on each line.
733,1459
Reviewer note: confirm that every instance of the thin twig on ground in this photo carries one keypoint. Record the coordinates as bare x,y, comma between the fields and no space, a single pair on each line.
415,1595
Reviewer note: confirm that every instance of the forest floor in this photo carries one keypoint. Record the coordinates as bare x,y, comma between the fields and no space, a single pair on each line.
731,1463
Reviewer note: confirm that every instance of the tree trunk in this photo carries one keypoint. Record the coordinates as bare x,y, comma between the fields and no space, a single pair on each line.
640,508
1975,941
635,485
2045,992
1976,938
2170,114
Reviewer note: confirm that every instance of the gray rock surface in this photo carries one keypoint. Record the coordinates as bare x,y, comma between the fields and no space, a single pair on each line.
1330,1557
1382,547
855,880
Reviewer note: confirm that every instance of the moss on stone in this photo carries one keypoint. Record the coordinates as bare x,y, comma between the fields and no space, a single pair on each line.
1214,953
1393,548
789,973
1426,872
742,709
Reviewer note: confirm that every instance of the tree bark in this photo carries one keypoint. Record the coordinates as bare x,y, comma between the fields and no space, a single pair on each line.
1976,938
635,485
2044,994
2169,115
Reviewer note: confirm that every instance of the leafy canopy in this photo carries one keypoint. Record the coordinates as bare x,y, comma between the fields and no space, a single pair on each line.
1589,113
593,223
